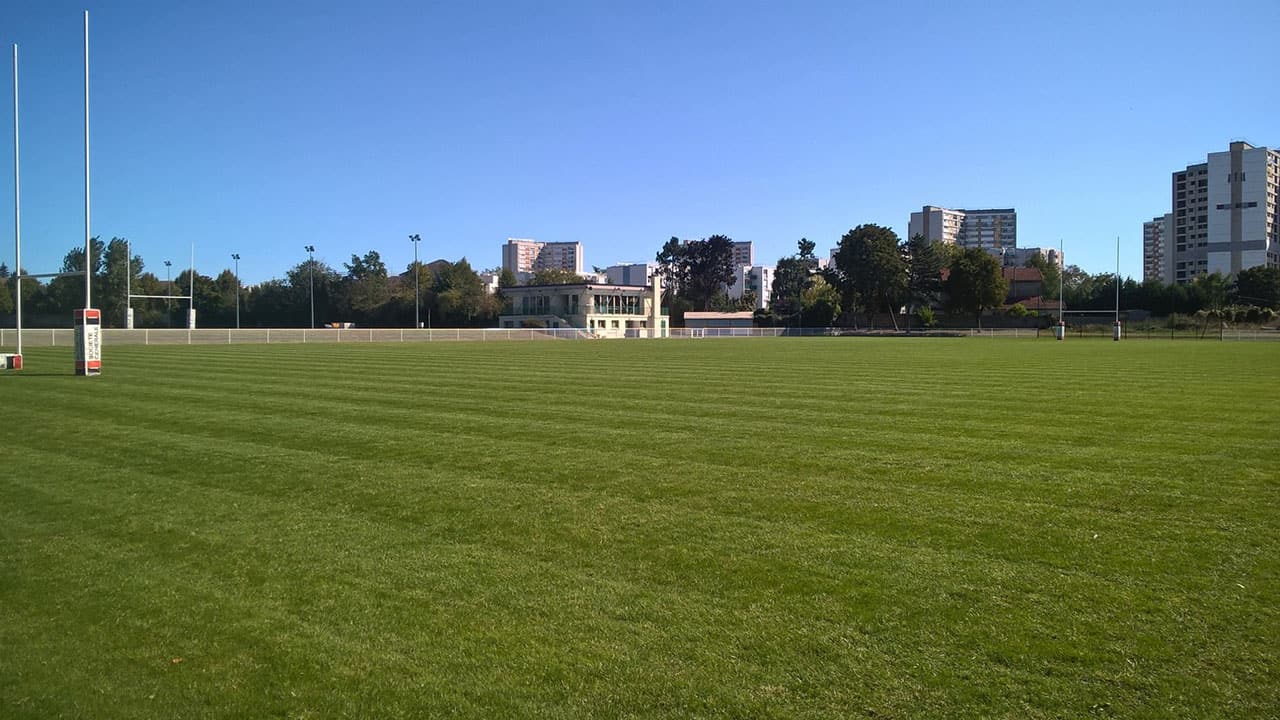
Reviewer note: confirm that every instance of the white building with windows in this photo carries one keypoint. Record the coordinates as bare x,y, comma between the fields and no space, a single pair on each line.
1157,260
1224,215
525,257
756,279
631,273
602,309
989,229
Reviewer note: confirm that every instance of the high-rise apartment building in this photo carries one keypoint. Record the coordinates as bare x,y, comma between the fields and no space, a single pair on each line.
1157,260
989,229
525,257
755,279
1224,214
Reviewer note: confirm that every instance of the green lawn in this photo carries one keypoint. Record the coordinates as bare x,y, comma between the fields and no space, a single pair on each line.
825,527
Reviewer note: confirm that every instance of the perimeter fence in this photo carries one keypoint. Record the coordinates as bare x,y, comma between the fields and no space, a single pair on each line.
46,337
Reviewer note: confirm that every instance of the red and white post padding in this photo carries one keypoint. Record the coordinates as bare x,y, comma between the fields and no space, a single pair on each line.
88,342
10,361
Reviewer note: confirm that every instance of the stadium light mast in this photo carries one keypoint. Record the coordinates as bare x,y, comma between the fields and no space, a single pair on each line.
311,263
236,257
417,273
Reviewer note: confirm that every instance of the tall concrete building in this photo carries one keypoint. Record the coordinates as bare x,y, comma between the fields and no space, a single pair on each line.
989,229
1019,257
1157,260
756,279
525,257
1224,214
631,273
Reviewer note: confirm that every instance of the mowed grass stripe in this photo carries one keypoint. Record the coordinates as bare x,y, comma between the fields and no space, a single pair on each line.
617,529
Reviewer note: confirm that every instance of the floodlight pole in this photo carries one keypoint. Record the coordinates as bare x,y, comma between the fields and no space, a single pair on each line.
128,289
17,209
191,291
311,263
236,257
417,273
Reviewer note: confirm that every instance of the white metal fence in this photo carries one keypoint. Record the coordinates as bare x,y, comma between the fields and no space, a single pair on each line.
46,337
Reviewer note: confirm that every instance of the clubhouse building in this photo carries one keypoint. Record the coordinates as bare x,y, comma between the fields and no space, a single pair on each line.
601,309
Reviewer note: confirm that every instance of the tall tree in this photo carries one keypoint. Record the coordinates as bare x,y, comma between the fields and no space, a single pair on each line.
790,276
299,280
976,282
365,289
671,267
1049,275
820,303
708,268
870,269
1258,286
697,270
460,295
924,261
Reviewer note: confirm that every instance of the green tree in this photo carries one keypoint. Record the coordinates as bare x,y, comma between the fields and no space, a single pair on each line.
790,276
820,303
976,283
461,297
698,270
870,269
6,292
1049,275
67,293
1210,291
507,279
1258,286
924,261
296,312
671,267
365,289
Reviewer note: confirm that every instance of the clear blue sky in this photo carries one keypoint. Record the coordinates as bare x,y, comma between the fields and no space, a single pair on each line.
260,126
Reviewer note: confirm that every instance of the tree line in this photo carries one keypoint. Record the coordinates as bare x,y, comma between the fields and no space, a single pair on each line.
875,274
363,292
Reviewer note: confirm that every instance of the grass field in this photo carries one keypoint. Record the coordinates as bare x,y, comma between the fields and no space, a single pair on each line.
826,527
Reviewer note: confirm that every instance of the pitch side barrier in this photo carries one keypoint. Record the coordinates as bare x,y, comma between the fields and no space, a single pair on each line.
66,337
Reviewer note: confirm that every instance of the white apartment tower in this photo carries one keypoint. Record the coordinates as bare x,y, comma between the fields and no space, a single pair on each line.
1157,260
1224,214
525,257
990,229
